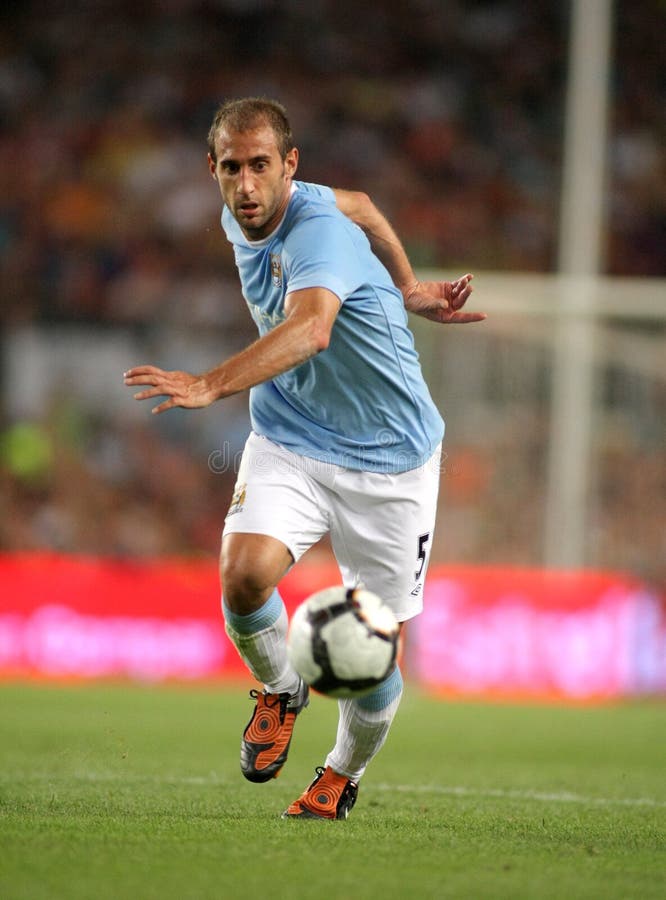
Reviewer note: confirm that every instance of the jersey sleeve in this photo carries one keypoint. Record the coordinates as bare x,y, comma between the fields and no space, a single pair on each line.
320,252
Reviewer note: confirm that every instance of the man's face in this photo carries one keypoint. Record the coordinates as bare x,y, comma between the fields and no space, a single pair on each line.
255,182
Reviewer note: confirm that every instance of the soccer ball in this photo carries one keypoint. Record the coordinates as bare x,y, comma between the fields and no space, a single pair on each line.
343,642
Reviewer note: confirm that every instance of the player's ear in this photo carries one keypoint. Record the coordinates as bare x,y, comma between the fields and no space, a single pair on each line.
291,162
212,165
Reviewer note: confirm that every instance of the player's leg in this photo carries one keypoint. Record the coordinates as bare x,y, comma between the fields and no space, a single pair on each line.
381,531
256,622
382,538
274,517
363,726
251,565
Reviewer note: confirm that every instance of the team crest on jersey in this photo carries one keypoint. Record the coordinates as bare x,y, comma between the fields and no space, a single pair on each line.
276,270
238,499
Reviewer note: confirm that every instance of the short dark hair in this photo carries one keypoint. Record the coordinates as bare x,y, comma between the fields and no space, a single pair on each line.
249,113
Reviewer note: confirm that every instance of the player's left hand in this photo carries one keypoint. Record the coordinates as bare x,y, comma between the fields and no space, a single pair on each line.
442,301
182,388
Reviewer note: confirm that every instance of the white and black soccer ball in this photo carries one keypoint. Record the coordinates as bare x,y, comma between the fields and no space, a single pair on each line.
343,642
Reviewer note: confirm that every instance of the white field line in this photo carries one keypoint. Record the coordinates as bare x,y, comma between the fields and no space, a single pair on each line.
542,796
213,780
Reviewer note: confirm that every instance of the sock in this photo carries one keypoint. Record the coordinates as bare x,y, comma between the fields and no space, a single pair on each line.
261,640
363,725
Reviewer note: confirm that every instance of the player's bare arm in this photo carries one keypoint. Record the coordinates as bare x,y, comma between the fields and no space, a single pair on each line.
385,243
439,301
305,332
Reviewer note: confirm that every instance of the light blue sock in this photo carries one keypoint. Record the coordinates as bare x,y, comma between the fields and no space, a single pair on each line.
261,640
261,618
384,694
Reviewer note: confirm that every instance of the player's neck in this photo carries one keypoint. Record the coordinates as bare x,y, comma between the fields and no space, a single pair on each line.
277,219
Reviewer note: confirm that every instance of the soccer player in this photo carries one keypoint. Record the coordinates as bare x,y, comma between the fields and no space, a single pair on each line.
345,436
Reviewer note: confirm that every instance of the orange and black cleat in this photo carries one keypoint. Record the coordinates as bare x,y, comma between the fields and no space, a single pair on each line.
330,796
267,737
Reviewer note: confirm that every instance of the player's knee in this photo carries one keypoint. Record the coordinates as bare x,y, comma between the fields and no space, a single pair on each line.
246,584
244,589
251,565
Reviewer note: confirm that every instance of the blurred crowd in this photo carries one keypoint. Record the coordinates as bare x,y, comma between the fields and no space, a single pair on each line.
450,115
76,485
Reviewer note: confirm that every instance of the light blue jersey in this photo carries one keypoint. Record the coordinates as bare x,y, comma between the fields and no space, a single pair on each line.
362,403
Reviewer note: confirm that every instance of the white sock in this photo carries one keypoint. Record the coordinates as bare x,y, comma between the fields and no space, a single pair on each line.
264,650
362,728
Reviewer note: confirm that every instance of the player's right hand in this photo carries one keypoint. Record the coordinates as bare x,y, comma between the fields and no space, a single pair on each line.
181,388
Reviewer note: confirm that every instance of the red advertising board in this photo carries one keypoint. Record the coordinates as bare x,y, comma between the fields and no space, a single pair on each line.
497,631
512,632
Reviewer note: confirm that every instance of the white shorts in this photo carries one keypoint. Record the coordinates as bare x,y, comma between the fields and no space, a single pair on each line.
381,525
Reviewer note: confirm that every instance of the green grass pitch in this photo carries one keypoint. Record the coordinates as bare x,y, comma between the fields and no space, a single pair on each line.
119,791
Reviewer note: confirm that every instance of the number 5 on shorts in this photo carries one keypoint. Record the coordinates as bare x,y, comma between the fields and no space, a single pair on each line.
421,555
